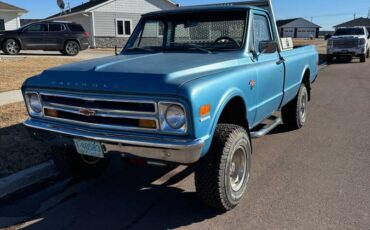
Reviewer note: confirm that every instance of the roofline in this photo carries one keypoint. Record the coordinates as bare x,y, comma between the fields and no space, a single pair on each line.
22,11
67,15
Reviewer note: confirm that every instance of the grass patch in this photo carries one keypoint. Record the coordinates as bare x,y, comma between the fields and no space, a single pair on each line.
18,150
14,71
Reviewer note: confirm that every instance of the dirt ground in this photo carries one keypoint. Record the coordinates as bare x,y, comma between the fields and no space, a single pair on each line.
17,149
14,71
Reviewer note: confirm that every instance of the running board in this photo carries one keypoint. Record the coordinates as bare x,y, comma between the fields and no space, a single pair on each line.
267,128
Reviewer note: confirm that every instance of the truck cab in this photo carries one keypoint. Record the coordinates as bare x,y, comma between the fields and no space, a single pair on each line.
349,42
192,86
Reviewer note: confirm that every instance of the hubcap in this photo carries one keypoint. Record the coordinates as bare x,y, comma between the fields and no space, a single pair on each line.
12,47
72,48
303,107
238,169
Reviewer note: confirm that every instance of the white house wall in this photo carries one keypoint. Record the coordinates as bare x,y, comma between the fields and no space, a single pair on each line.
11,20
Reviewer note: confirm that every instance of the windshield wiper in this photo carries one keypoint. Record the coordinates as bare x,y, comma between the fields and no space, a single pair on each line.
141,49
192,45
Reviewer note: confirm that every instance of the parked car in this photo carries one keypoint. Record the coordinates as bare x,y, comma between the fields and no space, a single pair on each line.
67,37
349,42
192,86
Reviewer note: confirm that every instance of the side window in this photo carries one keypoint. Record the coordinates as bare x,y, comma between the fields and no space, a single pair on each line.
123,27
261,30
2,25
37,28
55,27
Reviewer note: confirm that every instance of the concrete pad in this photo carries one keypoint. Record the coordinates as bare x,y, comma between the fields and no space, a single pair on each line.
10,97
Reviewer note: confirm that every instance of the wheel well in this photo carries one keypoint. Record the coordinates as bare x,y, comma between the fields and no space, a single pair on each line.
235,113
74,40
307,82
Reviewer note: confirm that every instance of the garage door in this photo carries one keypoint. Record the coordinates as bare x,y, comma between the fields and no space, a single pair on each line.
306,33
288,33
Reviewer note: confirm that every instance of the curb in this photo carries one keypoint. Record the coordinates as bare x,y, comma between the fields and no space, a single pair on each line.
27,177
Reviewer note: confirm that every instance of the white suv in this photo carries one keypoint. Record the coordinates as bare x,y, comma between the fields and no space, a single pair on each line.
350,41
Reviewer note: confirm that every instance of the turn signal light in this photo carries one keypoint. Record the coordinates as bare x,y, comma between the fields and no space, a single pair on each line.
149,124
51,113
205,110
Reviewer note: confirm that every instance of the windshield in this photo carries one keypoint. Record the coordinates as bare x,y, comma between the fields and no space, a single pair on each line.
349,31
200,32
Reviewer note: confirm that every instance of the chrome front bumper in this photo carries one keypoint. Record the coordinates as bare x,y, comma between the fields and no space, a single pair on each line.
162,149
346,51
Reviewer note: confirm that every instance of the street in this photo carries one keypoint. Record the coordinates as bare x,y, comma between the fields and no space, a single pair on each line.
314,178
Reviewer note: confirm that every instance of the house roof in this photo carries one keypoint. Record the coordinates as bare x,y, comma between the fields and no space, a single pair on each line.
88,5
296,23
355,22
7,7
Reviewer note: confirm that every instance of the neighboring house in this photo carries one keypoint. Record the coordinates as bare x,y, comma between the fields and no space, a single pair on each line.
10,16
111,22
356,22
298,28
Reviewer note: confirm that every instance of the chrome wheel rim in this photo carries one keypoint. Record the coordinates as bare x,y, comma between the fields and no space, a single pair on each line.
303,106
71,48
238,169
12,47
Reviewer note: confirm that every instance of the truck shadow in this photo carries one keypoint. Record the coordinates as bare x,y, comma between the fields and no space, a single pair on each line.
128,199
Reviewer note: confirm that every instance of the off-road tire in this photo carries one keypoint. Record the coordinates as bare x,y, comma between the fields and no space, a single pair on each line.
292,112
329,58
72,164
212,173
71,48
11,47
363,58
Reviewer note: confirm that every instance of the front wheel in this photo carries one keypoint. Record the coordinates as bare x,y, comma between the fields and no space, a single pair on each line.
329,58
221,177
294,114
11,47
368,53
71,48
363,58
80,167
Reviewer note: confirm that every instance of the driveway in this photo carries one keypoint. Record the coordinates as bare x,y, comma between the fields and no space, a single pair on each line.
313,178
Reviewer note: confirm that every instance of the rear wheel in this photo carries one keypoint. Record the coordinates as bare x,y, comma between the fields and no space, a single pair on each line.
71,48
221,177
294,114
72,164
11,47
368,53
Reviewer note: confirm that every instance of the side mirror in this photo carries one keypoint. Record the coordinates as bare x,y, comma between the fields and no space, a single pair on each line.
267,47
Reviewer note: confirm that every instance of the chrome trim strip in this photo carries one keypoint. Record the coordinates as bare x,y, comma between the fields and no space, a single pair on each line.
172,150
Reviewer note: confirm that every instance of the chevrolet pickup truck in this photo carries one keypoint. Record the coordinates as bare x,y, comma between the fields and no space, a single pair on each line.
349,42
192,86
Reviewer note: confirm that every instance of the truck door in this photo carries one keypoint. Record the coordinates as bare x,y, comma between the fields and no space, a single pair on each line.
270,70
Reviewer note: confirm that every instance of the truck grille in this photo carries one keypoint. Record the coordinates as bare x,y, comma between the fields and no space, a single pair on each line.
345,43
119,114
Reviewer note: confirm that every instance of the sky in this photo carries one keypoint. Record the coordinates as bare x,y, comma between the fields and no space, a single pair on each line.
325,13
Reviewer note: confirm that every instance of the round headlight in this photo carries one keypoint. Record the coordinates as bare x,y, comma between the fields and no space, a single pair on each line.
35,103
175,116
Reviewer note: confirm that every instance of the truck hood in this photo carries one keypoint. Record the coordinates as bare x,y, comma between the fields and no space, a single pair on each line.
155,73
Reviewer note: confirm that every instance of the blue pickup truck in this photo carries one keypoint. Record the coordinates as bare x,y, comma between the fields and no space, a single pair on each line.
192,86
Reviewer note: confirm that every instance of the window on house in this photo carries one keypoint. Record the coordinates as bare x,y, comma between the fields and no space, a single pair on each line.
124,27
2,25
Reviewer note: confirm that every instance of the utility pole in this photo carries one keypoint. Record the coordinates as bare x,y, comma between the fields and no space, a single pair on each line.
368,14
354,16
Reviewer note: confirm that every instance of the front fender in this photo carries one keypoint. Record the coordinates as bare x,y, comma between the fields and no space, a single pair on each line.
217,90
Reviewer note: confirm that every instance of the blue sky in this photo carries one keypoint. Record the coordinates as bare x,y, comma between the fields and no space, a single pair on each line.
326,13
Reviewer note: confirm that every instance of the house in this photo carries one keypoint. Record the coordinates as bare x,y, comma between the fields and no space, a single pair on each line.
111,22
356,22
298,28
10,16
